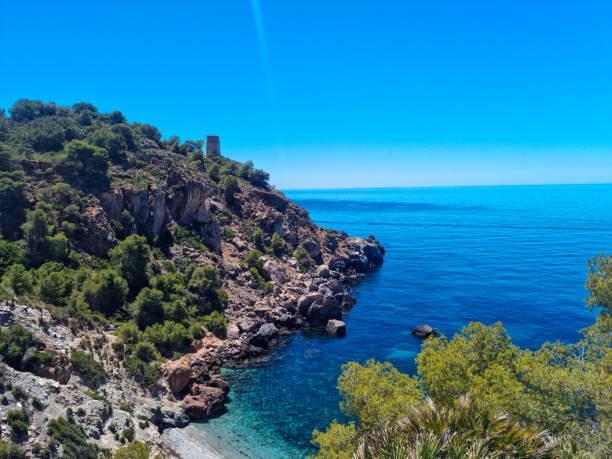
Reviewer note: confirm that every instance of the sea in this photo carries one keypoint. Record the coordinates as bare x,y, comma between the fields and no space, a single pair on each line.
513,254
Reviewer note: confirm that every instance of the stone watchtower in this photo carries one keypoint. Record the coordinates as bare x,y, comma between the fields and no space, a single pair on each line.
212,145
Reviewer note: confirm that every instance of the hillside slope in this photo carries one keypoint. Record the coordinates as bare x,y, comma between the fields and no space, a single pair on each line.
143,250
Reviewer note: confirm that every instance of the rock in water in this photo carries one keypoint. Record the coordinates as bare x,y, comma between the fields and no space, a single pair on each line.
336,328
423,331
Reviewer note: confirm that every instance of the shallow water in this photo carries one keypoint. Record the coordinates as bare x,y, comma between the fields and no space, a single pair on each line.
454,255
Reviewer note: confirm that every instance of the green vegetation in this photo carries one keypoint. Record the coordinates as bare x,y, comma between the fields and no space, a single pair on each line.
14,342
11,451
480,383
19,421
215,323
227,233
84,363
72,438
135,450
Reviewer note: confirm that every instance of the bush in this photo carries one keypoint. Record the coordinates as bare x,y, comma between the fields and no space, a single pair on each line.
135,450
169,337
85,364
11,451
145,351
278,245
227,233
215,323
129,333
205,279
128,434
10,254
14,342
253,260
229,186
304,260
143,372
19,421
258,239
72,438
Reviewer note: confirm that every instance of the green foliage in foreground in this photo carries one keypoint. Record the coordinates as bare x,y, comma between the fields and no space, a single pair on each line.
11,451
72,438
89,368
561,389
135,450
215,323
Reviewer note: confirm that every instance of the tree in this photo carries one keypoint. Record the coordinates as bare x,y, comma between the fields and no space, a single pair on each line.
18,279
27,110
82,106
105,292
148,307
90,159
9,255
229,185
132,256
12,197
214,173
258,239
148,131
55,287
205,279
215,323
278,245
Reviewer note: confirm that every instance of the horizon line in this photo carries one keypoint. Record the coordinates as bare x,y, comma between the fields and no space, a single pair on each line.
440,186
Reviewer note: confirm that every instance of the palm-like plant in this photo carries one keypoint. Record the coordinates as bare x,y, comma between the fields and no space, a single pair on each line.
462,431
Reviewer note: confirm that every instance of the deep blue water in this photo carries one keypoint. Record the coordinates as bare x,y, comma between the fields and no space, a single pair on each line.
454,255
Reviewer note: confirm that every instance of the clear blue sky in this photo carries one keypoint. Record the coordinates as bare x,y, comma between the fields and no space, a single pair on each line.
339,93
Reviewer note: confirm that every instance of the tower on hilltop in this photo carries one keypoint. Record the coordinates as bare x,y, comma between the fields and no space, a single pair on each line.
212,145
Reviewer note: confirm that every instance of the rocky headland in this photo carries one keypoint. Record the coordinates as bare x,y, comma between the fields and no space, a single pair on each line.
276,270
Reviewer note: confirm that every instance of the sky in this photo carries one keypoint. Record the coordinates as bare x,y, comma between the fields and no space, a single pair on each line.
332,94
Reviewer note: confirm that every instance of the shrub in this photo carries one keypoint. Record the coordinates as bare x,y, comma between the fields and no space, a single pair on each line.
72,438
258,239
14,342
11,451
229,186
304,260
85,364
135,450
215,323
19,421
253,260
145,351
128,434
171,336
205,279
278,245
227,233
129,333
143,372
126,406
10,254
18,392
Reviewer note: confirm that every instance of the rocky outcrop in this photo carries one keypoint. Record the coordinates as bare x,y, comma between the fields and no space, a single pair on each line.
323,310
424,331
178,375
204,402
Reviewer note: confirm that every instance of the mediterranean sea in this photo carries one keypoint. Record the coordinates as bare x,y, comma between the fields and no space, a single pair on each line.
515,254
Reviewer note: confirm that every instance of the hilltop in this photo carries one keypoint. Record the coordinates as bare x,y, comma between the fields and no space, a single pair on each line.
133,268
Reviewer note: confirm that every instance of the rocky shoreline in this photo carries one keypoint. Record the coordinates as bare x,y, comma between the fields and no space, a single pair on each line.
191,387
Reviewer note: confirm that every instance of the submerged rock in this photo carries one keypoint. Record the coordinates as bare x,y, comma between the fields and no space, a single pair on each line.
424,331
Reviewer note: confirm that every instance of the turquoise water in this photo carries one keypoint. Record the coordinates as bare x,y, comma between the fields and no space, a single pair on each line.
454,255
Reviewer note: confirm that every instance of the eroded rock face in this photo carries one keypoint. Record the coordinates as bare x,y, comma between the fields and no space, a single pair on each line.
178,374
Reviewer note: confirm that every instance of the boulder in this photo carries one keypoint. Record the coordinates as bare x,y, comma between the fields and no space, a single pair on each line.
248,325
204,402
274,271
358,261
199,370
335,286
265,333
346,301
322,310
336,328
306,301
164,419
178,374
218,382
232,331
423,331
323,271
313,248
